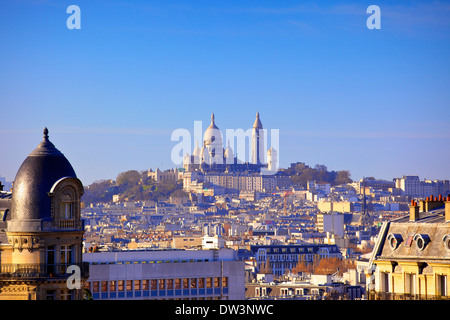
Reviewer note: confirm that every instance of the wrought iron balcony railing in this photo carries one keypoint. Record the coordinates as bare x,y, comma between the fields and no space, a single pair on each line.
402,296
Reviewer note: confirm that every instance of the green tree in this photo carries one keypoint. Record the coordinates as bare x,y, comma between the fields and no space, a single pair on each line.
343,177
128,178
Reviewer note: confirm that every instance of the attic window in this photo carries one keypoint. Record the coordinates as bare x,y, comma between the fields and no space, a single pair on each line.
421,241
394,240
446,240
409,241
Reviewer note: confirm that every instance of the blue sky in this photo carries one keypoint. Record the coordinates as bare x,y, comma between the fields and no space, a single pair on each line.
374,102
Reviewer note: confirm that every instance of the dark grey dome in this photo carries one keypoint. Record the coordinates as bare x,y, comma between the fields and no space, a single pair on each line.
36,176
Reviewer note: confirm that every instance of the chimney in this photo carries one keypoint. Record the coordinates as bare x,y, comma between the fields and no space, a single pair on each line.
447,208
430,203
414,211
434,203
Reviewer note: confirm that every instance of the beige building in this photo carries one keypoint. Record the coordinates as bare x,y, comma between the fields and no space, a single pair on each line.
411,259
337,206
42,232
187,242
171,175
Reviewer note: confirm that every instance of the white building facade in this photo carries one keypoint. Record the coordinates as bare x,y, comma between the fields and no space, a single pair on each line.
166,274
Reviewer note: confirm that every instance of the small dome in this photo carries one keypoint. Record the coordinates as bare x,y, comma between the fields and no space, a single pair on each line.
196,150
34,180
212,134
229,152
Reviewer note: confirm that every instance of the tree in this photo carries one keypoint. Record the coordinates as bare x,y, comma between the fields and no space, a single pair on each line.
179,193
343,177
99,191
128,178
300,267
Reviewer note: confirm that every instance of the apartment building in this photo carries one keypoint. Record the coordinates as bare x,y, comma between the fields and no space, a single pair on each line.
285,257
229,182
333,223
411,258
412,186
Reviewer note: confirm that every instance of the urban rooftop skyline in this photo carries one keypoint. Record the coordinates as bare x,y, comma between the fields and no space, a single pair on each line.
373,102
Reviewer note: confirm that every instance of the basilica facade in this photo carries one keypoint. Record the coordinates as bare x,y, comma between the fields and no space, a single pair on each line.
213,157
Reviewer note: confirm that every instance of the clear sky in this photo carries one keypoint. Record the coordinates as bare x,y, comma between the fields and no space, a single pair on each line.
375,102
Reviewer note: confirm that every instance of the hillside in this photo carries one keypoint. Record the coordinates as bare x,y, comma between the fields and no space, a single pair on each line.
130,186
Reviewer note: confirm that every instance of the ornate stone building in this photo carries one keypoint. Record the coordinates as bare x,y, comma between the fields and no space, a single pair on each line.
41,230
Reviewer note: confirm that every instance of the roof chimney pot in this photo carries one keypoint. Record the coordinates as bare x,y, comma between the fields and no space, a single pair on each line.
414,211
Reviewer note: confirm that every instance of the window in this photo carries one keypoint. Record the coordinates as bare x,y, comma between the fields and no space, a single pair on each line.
154,284
442,285
421,241
394,240
95,286
67,203
67,210
177,283
66,295
144,284
209,282
120,285
225,282
66,257
201,283
216,282
112,286
446,240
193,283
161,284
169,283
185,283
409,283
408,241
264,291
137,285
50,259
104,286
50,295
129,284
385,282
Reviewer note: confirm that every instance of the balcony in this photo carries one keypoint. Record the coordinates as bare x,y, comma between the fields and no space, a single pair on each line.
67,224
33,271
402,296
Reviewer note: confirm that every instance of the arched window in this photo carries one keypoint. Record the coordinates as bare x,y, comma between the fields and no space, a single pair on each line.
67,204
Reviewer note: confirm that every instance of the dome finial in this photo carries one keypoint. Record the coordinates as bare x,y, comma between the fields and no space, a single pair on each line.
212,118
45,133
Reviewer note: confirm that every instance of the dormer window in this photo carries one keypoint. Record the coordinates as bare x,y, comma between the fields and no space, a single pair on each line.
446,240
66,194
67,204
421,241
394,240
